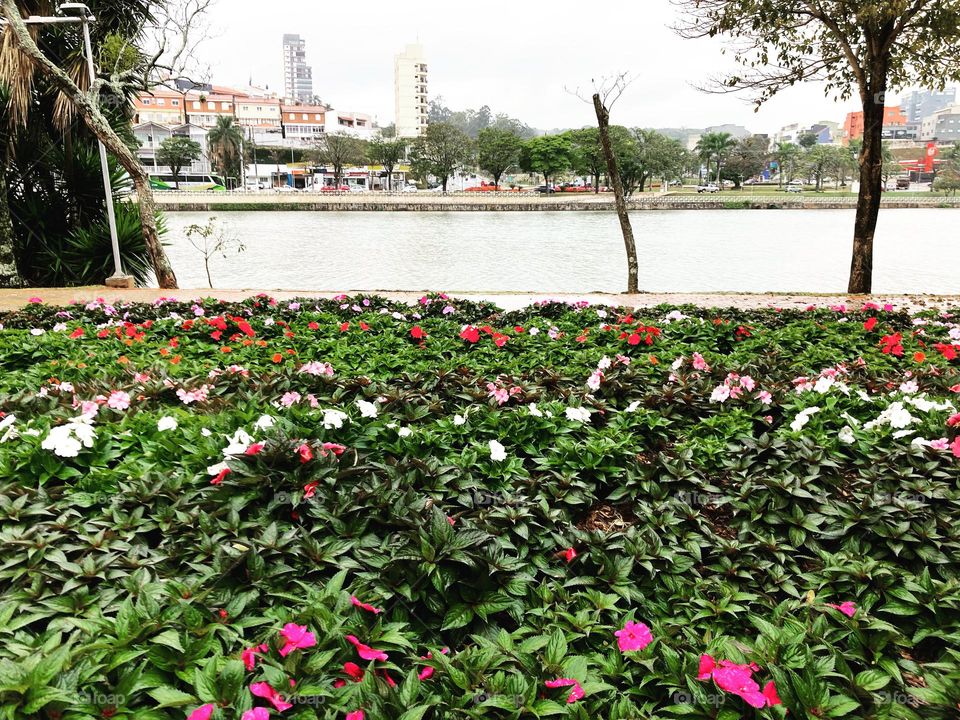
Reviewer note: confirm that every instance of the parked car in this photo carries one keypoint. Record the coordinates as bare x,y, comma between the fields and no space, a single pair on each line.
708,188
545,189
794,186
334,188
358,188
409,188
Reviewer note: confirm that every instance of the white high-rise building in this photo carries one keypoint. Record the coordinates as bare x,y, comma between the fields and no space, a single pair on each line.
410,87
297,75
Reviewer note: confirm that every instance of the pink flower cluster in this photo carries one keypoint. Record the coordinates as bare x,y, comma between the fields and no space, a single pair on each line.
188,397
734,386
316,368
501,393
738,680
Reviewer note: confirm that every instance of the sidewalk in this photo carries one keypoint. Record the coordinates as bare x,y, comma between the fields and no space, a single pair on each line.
14,299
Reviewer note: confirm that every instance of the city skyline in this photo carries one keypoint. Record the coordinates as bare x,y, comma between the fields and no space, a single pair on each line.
466,72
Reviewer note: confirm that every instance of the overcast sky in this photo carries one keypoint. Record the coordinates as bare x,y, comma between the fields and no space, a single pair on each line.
517,57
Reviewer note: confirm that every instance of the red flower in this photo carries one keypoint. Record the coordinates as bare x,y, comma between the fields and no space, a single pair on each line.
949,352
313,326
245,327
417,333
633,339
344,327
220,476
354,671
892,344
364,326
310,489
870,324
254,449
470,334
569,554
499,339
277,357
78,333
305,453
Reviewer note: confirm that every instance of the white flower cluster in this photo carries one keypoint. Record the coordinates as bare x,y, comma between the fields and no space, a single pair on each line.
67,440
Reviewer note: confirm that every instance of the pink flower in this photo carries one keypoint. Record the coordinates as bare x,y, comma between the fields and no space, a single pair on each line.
118,400
707,666
335,448
254,449
34,300
258,713
89,408
955,388
290,398
220,476
574,695
847,608
940,444
634,636
249,656
427,672
699,363
201,713
364,606
764,397
365,651
310,489
955,448
954,420
263,690
297,637
738,680
355,715
569,554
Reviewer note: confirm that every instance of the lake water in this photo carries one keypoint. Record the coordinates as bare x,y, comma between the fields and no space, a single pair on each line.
916,250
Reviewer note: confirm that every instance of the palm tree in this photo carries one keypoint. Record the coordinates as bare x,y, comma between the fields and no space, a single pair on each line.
225,140
715,145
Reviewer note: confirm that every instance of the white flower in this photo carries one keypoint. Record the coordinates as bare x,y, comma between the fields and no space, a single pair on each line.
265,422
909,387
823,385
404,432
218,468
632,407
534,410
459,419
497,451
677,363
67,440
40,331
593,382
238,443
803,417
334,419
166,423
534,331
921,403
367,409
601,313
7,421
60,327
862,394
900,417
903,433
205,432
720,393
580,414
604,363
11,432
846,435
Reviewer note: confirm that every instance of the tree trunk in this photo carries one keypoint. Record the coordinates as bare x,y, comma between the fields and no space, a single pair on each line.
871,178
101,128
9,275
613,175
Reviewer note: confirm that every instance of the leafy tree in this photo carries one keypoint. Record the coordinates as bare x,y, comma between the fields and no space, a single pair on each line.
498,151
388,153
818,160
865,45
842,163
471,122
548,155
587,154
340,150
786,155
654,155
441,151
715,146
747,159
891,166
948,175
176,152
225,140
807,140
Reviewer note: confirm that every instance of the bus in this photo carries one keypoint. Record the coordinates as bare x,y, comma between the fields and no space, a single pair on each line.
188,181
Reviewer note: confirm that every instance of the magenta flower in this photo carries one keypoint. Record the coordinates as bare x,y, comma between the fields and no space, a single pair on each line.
201,713
364,606
738,680
258,713
569,554
575,694
365,651
634,636
249,656
263,690
848,608
297,637
355,715
707,666
427,672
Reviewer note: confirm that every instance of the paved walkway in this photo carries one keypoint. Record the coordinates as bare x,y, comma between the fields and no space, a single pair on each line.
14,299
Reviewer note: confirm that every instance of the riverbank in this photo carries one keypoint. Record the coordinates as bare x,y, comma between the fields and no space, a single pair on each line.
15,299
516,202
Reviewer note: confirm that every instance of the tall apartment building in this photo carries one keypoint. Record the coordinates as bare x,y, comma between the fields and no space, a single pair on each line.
410,88
297,75
921,103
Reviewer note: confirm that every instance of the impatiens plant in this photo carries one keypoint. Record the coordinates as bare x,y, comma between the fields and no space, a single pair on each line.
354,508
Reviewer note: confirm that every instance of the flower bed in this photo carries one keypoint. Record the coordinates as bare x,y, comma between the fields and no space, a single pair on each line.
357,509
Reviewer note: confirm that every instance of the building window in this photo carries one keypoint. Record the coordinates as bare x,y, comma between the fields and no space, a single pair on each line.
146,101
175,103
160,101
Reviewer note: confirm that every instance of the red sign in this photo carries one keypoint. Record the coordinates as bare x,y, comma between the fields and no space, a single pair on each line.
931,154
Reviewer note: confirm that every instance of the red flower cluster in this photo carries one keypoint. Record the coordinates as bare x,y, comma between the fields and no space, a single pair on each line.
472,334
892,344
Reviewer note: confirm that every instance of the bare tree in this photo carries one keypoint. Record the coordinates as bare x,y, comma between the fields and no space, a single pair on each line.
605,95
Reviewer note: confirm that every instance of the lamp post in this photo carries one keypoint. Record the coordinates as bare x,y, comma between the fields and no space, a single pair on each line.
74,13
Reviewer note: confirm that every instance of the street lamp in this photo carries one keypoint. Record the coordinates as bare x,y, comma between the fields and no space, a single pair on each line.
74,13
